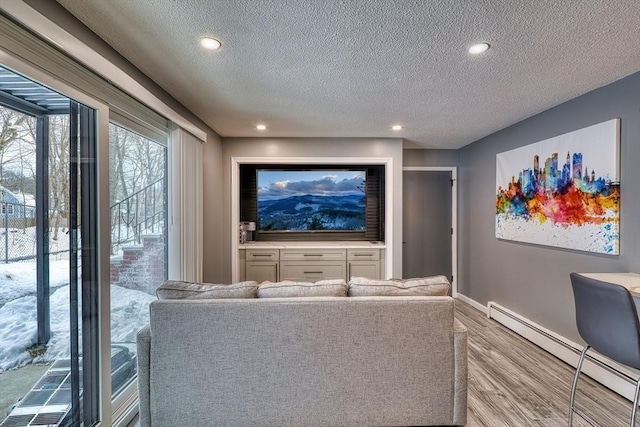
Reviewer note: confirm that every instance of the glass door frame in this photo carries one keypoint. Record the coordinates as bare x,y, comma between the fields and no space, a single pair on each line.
106,408
125,399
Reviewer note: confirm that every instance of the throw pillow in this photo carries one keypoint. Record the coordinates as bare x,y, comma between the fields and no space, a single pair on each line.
322,288
175,289
423,286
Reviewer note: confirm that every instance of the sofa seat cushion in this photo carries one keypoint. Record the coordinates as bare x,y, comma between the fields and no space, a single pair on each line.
423,286
286,288
175,289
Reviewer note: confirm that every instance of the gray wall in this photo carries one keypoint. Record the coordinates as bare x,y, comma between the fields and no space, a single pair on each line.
427,157
310,148
212,188
529,279
213,249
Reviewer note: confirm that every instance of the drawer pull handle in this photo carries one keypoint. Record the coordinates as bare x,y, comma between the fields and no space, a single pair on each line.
261,255
312,254
362,254
312,272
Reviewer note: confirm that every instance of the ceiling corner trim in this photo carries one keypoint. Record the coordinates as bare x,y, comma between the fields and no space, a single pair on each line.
91,59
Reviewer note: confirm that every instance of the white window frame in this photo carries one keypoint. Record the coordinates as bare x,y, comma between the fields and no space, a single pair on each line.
7,208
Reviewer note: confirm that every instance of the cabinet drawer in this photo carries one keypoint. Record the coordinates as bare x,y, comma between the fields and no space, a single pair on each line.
302,271
313,255
363,254
262,254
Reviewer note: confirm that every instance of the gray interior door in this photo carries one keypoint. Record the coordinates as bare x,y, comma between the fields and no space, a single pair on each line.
426,224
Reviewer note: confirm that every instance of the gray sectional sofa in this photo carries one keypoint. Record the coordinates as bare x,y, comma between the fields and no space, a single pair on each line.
303,361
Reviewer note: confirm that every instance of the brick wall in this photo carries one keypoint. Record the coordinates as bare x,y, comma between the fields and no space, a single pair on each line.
140,267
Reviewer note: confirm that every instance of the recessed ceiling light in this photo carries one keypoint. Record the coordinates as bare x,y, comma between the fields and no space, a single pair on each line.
396,127
479,48
210,43
261,127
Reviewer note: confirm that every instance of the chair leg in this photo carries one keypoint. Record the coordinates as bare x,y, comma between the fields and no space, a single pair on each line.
575,384
634,410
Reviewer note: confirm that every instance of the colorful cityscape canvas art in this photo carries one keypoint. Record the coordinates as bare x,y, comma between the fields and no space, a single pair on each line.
563,191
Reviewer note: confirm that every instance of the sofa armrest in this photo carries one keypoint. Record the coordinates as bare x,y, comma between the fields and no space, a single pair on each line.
143,343
461,373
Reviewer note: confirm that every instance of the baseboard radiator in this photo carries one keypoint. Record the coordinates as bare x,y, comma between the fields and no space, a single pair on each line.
612,375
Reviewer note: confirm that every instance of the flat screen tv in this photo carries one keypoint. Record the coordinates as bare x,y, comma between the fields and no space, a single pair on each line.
311,200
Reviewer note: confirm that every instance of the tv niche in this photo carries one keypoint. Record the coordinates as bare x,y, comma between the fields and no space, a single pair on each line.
318,202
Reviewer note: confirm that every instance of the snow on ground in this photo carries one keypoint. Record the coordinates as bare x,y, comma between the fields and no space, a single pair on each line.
18,321
18,279
129,313
17,332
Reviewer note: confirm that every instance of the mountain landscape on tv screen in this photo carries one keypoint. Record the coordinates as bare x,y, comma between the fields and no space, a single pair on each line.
313,212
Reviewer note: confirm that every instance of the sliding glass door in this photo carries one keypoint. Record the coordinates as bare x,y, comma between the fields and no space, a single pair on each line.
83,236
49,337
138,253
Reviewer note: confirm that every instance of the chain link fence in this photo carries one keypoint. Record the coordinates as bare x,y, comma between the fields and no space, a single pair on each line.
18,240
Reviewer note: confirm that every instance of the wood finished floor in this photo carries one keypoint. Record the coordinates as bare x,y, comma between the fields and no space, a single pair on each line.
513,382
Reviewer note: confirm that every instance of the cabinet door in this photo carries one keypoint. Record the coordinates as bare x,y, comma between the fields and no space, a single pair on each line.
261,271
300,271
368,269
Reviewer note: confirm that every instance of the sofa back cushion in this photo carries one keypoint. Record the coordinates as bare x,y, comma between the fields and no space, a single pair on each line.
302,361
423,286
176,289
287,289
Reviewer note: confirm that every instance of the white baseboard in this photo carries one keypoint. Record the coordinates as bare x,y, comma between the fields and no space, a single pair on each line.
475,304
617,378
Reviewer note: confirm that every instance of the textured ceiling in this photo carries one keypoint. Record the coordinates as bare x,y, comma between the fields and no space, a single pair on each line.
352,68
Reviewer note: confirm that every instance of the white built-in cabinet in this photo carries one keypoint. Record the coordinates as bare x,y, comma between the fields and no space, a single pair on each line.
310,264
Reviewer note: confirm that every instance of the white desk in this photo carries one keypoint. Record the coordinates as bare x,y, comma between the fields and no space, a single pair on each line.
631,281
